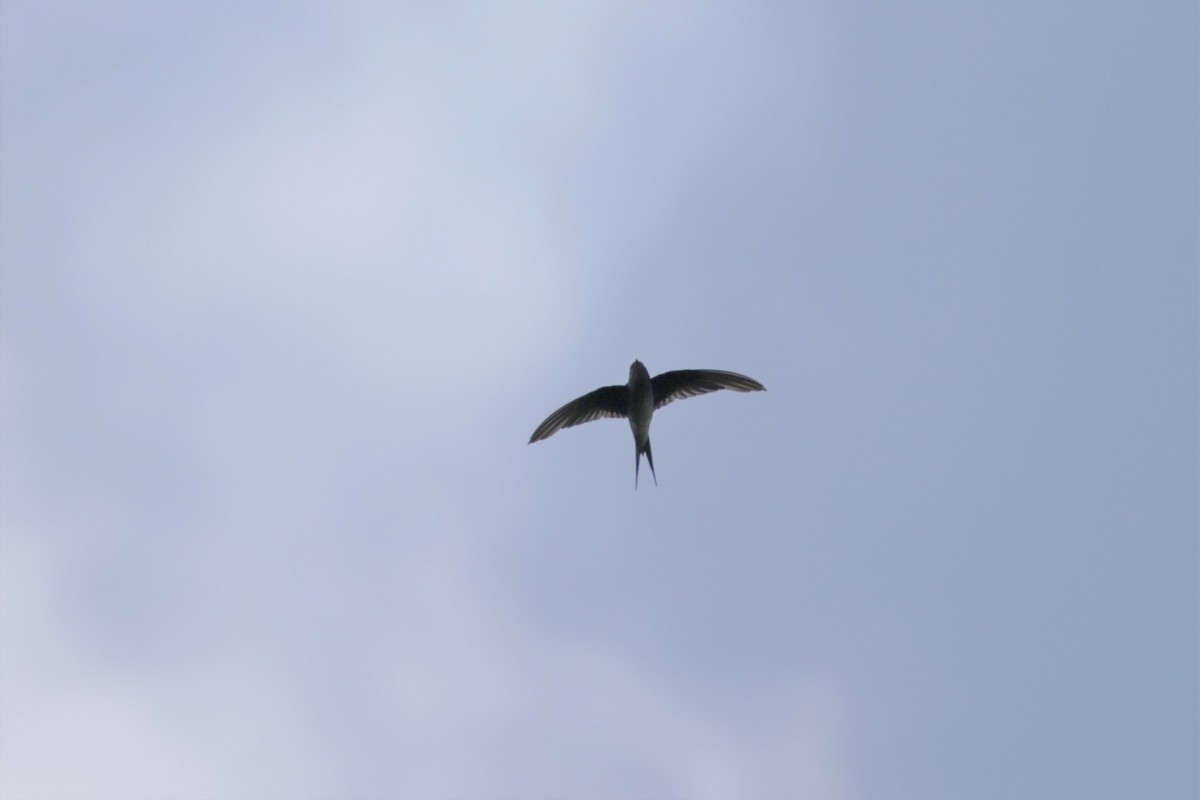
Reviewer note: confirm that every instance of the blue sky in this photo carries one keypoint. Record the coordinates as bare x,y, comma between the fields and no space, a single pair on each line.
284,289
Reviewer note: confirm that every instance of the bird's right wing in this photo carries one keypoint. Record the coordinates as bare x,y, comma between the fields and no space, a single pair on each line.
681,383
607,401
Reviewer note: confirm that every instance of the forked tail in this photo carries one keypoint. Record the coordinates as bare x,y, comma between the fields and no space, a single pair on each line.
637,462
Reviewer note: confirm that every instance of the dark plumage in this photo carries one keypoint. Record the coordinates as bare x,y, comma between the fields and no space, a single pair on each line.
639,399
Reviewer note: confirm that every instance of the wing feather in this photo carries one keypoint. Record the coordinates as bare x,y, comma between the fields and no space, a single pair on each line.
607,401
681,383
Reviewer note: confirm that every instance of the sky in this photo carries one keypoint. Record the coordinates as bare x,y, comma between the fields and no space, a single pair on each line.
285,288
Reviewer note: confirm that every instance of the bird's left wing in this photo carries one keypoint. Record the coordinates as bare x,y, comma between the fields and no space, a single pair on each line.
681,383
607,401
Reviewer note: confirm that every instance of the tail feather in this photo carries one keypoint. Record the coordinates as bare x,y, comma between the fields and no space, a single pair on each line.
650,459
637,462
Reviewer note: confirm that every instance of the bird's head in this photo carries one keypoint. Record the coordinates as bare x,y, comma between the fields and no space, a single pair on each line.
637,368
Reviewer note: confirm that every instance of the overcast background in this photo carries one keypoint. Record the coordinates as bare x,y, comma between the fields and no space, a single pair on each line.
287,286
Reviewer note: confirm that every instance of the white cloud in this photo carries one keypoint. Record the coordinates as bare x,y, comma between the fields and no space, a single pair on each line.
249,240
412,677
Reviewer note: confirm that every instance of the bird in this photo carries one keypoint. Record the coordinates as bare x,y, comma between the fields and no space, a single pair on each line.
638,399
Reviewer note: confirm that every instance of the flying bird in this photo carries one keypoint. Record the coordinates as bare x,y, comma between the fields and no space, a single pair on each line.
638,400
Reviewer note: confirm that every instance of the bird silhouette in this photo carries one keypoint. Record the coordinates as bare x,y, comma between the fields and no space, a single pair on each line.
638,399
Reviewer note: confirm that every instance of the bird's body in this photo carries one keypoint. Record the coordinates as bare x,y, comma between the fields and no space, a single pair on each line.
641,409
637,401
